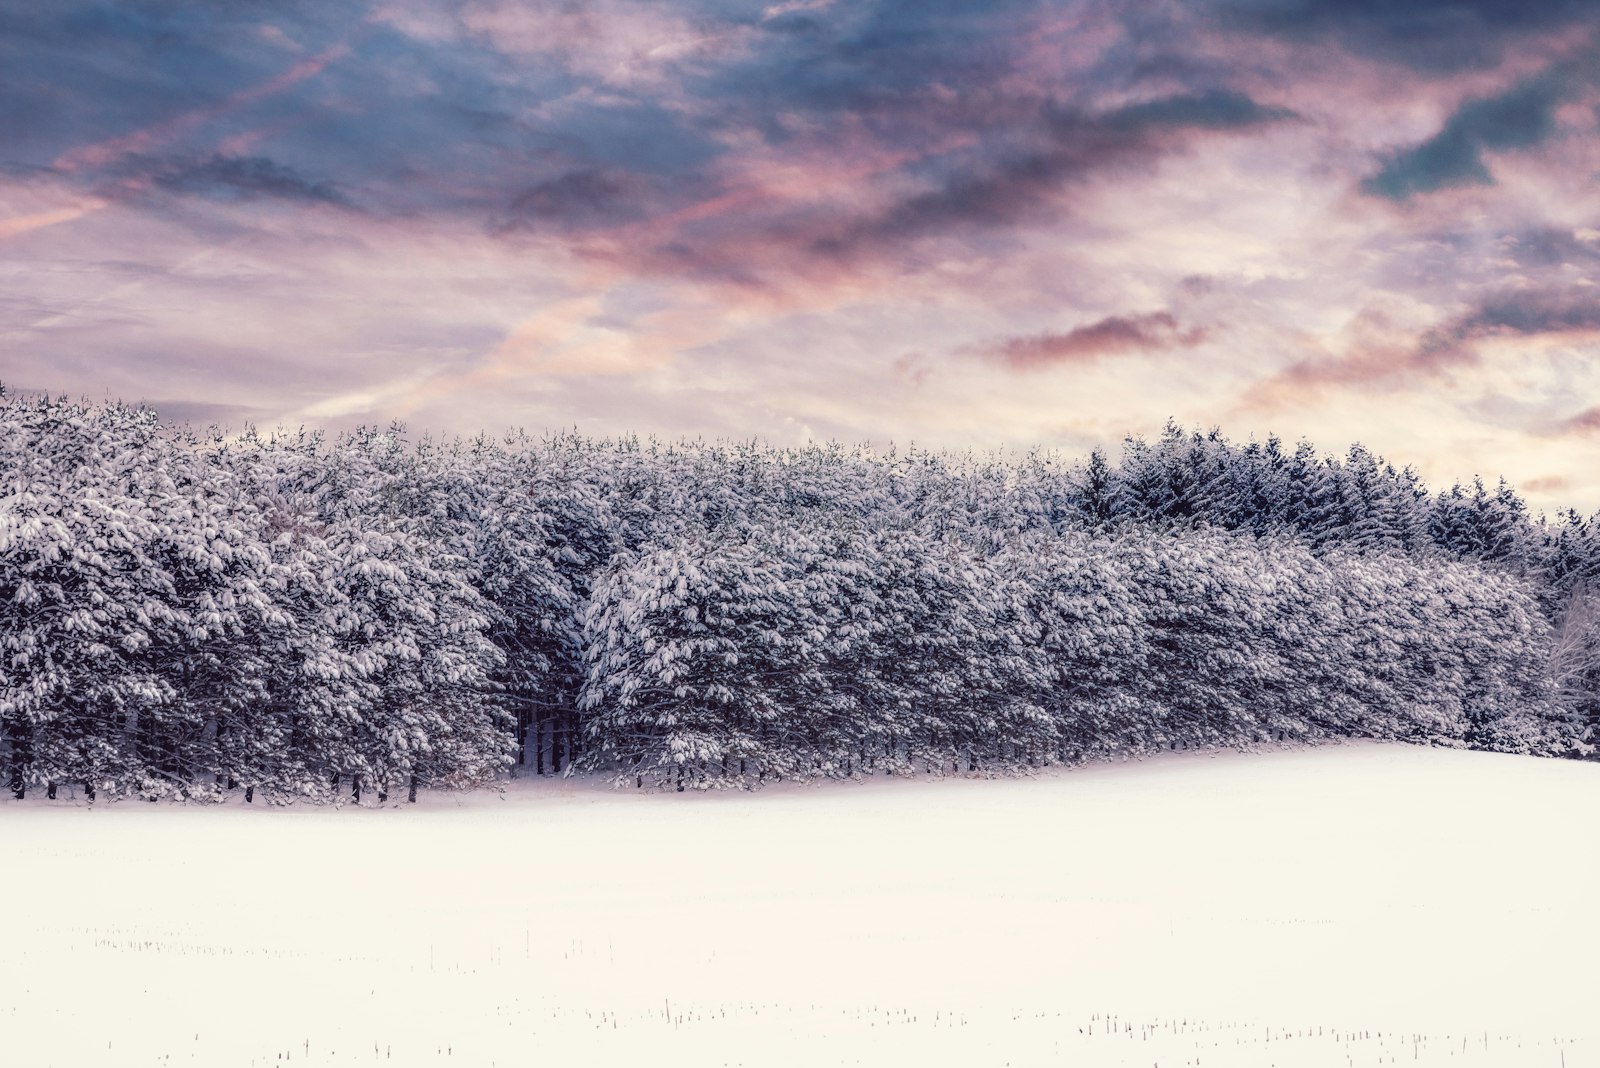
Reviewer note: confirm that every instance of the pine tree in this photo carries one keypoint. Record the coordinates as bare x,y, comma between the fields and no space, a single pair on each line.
1099,498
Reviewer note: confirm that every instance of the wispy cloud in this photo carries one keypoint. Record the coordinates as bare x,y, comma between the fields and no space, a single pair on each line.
1112,336
21,224
240,177
1584,423
1069,146
1436,36
148,138
1384,359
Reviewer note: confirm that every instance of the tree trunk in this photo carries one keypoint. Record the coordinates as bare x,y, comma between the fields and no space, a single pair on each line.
555,747
88,792
50,791
18,735
171,760
538,747
355,788
134,729
249,794
222,731
411,796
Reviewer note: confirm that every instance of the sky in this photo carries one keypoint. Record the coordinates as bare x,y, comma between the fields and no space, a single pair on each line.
957,223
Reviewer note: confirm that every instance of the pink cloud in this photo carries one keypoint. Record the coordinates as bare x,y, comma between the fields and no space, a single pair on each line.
1114,335
1382,356
1546,484
21,224
1585,424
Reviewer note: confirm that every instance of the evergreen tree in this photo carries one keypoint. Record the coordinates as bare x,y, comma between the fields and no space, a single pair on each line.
1099,499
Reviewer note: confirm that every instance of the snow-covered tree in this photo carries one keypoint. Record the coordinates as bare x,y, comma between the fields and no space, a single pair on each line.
300,616
705,660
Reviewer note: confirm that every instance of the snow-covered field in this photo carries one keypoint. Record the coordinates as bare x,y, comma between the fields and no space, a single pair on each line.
1351,905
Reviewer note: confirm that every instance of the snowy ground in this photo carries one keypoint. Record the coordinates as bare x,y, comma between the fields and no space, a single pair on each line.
1352,905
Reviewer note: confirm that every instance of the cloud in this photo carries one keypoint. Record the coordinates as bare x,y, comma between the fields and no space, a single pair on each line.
1382,361
1433,36
1546,484
659,138
22,224
621,43
1215,109
880,61
575,199
1586,423
243,177
1071,146
1534,314
101,153
1112,336
1521,118
1549,246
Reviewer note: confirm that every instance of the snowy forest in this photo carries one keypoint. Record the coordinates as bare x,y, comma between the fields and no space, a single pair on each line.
299,616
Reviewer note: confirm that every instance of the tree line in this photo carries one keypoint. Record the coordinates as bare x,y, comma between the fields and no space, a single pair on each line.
301,616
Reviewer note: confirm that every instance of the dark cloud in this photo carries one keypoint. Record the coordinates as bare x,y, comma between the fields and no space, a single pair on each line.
1554,247
1435,36
1075,145
242,178
1520,118
1519,315
586,197
982,188
1113,336
1216,109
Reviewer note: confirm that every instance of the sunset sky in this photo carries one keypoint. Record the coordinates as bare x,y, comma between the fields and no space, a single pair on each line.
963,224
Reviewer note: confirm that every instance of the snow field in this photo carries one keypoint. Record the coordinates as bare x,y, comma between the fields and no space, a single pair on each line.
1350,905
